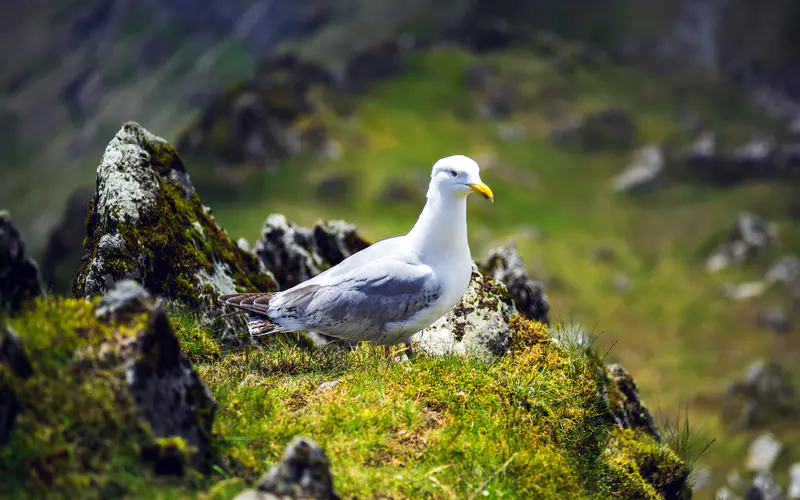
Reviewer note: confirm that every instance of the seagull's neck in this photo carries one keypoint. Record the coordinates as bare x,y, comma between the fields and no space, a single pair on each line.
441,229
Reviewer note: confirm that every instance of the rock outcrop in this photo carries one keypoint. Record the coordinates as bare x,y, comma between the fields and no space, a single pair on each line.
607,129
764,395
265,118
147,223
19,274
759,159
505,265
302,474
747,238
644,174
294,254
479,325
625,405
170,395
102,380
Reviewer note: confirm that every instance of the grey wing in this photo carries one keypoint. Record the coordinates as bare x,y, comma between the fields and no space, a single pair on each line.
360,304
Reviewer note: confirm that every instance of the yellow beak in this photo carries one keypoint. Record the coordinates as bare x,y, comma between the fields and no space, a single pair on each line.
483,190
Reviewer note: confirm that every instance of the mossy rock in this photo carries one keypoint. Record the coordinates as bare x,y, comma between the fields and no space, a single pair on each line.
19,274
148,224
641,468
101,404
263,119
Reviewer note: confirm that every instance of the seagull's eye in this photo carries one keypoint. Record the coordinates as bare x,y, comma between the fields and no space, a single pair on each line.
453,173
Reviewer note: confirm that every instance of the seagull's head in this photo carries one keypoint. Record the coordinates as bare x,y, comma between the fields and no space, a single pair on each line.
458,176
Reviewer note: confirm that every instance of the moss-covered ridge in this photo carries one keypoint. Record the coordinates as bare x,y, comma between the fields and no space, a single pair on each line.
86,423
147,223
530,424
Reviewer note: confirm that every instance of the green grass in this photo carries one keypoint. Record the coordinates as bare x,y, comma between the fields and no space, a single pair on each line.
530,424
674,330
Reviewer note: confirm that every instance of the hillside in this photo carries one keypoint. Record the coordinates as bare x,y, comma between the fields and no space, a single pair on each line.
551,122
152,390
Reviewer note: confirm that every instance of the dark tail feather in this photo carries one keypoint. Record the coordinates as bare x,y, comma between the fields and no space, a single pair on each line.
257,307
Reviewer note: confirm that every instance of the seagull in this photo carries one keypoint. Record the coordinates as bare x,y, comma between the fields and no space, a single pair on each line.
392,289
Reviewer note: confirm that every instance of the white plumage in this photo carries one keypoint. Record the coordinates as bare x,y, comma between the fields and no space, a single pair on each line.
392,289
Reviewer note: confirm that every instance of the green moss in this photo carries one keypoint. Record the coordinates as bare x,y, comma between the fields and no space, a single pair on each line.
199,345
641,468
529,425
77,430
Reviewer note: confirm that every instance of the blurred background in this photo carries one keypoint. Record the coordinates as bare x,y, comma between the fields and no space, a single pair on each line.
645,157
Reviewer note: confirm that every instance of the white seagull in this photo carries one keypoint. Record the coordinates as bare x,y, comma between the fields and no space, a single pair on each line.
392,289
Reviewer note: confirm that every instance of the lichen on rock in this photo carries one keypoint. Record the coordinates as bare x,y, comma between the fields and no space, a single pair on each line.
19,274
148,224
505,265
294,254
479,325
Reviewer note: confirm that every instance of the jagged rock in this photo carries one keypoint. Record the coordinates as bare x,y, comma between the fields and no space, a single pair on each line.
294,254
19,274
785,270
505,265
644,172
477,326
763,452
775,319
609,128
763,395
147,223
493,97
302,474
64,248
749,236
762,158
264,119
125,300
170,395
625,405
15,364
793,491
764,487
